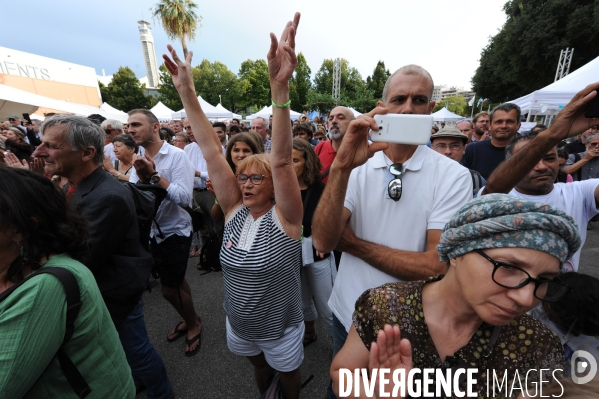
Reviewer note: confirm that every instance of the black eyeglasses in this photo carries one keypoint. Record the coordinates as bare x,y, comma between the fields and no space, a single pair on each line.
255,178
512,277
108,131
452,146
394,188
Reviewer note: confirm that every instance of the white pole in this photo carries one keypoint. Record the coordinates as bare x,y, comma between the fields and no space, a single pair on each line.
473,101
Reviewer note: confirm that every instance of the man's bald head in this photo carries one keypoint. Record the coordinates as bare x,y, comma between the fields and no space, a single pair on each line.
411,69
339,119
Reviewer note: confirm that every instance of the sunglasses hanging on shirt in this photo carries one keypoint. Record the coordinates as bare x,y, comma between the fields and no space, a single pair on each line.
395,186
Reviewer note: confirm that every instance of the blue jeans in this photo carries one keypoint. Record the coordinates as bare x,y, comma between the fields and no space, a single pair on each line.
339,338
146,364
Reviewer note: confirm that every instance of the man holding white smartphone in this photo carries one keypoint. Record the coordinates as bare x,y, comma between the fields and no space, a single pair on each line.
387,234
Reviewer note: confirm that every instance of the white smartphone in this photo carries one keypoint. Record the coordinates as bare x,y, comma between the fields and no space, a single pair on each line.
403,129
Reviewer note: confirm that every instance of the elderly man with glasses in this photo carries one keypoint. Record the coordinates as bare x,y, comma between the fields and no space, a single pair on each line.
451,142
112,128
386,234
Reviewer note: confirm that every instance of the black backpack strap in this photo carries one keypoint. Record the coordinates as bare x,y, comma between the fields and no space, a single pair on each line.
577,158
73,298
477,181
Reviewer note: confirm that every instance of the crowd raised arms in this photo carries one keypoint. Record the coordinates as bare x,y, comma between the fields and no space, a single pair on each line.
463,254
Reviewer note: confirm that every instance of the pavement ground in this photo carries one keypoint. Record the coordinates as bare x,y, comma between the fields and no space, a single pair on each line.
217,373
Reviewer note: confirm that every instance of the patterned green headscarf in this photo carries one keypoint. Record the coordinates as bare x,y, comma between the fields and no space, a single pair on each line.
505,221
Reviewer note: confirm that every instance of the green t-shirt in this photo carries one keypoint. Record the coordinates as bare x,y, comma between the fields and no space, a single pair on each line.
32,327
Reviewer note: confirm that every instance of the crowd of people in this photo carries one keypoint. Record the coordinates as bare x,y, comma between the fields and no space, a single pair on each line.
474,264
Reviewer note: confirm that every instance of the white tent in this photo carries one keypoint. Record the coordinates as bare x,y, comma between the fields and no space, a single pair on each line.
266,112
15,101
550,99
211,111
445,115
111,110
356,113
220,107
162,112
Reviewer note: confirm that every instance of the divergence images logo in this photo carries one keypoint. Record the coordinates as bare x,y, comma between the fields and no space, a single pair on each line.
583,362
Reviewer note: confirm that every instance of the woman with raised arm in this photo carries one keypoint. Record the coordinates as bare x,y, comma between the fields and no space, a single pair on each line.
261,249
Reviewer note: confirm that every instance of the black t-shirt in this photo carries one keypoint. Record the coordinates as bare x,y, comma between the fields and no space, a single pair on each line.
483,157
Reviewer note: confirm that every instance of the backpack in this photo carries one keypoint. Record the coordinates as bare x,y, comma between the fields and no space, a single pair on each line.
210,254
73,296
578,173
147,199
477,182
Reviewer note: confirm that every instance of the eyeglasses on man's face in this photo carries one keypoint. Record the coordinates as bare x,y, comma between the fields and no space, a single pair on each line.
512,277
452,146
254,178
394,188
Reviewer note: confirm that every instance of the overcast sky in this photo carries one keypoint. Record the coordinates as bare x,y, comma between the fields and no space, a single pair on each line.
445,37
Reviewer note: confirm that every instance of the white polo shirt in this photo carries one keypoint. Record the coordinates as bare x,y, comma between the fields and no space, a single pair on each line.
434,188
577,199
174,166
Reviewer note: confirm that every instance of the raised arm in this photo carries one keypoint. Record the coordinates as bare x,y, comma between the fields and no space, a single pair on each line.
281,64
224,182
569,122
331,216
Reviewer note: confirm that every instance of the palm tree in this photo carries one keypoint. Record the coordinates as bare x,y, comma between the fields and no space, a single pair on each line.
179,19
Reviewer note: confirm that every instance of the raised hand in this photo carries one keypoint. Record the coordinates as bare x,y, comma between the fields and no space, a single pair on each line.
38,165
107,164
571,120
179,70
144,166
12,161
390,352
281,56
355,149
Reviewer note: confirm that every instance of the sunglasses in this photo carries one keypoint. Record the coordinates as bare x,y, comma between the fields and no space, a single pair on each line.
394,188
108,131
254,179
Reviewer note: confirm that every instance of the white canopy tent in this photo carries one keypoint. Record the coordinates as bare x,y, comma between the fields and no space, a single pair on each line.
111,110
162,112
220,107
445,115
550,99
210,110
15,101
266,112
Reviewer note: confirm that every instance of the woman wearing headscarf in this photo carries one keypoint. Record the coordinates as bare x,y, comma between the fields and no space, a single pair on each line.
504,256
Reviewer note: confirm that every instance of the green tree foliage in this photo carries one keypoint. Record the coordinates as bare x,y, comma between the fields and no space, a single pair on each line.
523,56
104,93
377,81
353,90
179,20
255,83
214,79
456,104
300,84
125,92
321,102
167,93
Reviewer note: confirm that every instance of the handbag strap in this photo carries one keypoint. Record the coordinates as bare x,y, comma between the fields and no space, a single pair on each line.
73,299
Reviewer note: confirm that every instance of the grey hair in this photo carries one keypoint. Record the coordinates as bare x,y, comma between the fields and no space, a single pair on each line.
408,70
591,137
117,125
506,107
79,133
37,122
266,123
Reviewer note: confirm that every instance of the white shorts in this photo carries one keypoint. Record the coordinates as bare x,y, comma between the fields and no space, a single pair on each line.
284,354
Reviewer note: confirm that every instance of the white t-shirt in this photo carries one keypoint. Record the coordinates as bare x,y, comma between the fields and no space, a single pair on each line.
434,188
109,151
577,199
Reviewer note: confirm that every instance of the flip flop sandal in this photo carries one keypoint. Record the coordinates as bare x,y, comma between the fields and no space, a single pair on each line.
176,334
188,342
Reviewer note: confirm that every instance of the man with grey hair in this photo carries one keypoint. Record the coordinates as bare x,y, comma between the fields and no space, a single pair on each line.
484,156
339,119
585,165
112,128
385,234
260,126
72,147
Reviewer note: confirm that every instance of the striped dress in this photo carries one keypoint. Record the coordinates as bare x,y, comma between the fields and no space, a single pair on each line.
261,270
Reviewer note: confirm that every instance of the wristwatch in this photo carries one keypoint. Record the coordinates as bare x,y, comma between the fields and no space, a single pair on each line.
155,178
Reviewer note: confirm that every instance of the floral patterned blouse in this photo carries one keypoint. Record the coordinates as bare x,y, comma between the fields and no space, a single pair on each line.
523,344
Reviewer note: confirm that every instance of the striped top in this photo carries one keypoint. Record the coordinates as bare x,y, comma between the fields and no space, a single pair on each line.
261,270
